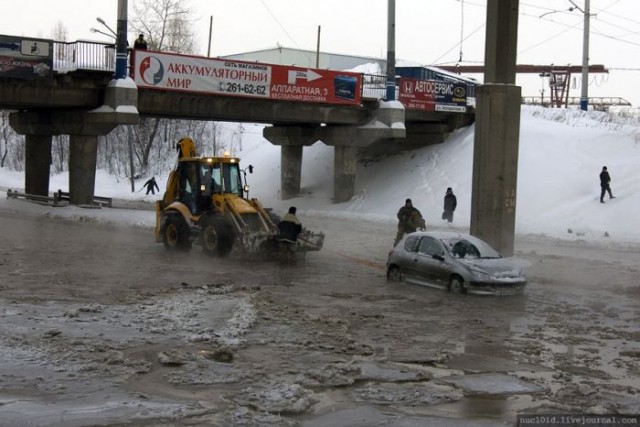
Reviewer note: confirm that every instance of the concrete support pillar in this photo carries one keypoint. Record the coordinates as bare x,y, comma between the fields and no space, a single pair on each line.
495,165
501,41
83,128
495,156
290,170
344,172
83,151
292,140
37,164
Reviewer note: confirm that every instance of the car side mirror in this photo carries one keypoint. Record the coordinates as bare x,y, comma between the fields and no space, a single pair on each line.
438,257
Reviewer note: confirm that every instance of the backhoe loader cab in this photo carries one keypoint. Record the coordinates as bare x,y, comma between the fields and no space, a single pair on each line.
200,179
206,202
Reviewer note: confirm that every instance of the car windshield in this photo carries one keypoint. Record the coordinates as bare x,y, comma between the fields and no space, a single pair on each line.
469,247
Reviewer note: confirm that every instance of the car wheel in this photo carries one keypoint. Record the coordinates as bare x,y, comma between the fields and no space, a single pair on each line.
456,285
394,274
176,234
217,236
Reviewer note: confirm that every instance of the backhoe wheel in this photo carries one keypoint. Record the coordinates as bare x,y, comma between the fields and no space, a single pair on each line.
176,233
217,236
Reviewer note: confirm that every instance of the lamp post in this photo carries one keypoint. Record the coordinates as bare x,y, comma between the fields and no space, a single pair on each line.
101,21
95,30
121,41
391,51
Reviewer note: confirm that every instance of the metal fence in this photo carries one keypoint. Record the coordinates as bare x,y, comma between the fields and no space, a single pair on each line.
374,86
83,55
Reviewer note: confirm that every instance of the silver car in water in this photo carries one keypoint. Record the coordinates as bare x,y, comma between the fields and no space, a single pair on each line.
458,263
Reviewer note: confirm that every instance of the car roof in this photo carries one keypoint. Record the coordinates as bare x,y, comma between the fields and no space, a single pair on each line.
437,234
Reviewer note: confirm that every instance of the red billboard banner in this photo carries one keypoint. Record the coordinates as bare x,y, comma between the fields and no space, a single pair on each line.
433,95
159,70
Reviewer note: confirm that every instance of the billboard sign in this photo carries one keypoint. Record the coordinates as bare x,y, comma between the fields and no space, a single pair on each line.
159,70
25,58
433,95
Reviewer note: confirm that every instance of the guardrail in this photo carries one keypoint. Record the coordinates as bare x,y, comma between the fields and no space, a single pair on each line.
374,86
100,56
98,200
60,198
83,55
45,200
601,103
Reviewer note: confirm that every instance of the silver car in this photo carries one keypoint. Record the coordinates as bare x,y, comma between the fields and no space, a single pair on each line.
456,262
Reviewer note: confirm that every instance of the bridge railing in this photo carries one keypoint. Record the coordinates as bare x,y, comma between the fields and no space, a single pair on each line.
595,102
83,55
374,86
100,56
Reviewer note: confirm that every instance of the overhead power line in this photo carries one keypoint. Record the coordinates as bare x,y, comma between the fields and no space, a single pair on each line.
279,23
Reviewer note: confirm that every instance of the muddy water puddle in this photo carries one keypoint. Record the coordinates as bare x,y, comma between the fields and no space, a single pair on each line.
201,341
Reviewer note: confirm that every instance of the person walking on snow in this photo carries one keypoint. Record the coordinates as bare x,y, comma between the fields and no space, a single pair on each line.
605,182
409,220
151,185
450,203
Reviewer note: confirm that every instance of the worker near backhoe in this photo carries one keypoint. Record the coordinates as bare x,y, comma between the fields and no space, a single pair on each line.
290,227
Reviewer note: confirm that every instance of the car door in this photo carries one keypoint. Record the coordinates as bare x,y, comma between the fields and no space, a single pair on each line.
428,268
407,258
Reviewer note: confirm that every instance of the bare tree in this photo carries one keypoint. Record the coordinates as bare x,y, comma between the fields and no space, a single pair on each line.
167,26
4,137
166,23
60,34
59,152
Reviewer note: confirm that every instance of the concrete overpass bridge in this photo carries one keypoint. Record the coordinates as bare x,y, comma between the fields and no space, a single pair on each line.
79,98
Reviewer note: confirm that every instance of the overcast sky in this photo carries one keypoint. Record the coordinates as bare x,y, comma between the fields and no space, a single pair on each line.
428,31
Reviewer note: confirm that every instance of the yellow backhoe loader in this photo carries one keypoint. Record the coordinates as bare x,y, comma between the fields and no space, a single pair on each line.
205,204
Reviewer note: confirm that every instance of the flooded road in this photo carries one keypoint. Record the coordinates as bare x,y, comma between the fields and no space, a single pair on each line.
102,326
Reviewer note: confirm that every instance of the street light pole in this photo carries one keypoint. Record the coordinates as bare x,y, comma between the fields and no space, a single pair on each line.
391,51
95,30
121,41
584,97
101,21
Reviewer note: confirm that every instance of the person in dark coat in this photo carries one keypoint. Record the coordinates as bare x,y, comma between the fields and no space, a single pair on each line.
151,185
605,184
289,227
409,220
140,43
450,203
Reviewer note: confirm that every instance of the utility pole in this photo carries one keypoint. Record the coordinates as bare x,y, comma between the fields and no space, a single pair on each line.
584,98
318,50
210,30
391,51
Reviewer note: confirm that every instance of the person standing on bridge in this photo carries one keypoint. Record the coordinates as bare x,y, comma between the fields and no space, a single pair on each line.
152,185
140,43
